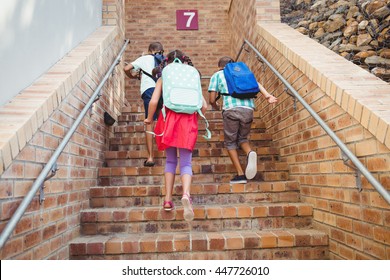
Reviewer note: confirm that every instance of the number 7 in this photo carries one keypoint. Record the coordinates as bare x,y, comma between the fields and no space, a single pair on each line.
191,16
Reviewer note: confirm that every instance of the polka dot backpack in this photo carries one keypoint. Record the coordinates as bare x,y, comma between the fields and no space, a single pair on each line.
182,90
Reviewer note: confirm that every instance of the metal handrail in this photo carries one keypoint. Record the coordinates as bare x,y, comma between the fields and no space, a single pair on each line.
345,151
51,164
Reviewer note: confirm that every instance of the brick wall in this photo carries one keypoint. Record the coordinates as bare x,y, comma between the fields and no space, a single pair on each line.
358,223
155,20
45,230
267,10
114,14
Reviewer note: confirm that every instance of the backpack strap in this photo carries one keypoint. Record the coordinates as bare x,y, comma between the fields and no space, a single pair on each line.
207,135
177,60
164,115
151,132
150,76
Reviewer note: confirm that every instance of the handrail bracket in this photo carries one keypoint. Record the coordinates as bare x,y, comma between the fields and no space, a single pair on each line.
293,96
357,172
53,171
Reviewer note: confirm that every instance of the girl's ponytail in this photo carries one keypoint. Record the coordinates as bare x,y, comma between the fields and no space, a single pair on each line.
186,59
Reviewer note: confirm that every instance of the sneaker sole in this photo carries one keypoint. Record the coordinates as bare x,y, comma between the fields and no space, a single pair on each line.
188,212
239,182
251,167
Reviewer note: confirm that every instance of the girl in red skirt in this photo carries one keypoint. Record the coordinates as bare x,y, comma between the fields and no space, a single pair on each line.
180,132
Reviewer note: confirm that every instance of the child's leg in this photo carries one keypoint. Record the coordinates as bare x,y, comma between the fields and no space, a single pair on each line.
231,126
243,140
245,146
186,178
146,96
186,169
170,170
185,161
233,155
149,145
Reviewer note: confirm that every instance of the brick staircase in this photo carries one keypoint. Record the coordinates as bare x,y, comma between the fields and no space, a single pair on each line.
263,219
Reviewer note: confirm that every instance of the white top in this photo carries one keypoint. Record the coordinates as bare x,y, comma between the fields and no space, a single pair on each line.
146,63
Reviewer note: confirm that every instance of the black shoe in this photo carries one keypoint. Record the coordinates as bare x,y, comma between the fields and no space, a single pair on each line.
238,179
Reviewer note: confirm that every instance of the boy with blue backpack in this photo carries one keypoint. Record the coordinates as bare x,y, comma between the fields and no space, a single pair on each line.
142,68
238,87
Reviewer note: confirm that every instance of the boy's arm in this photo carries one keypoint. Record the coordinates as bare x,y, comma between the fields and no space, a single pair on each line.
128,66
270,98
213,91
213,100
130,72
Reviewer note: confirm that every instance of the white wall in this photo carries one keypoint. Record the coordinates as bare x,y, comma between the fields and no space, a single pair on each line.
35,34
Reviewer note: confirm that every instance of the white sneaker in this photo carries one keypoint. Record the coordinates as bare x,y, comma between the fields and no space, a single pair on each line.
187,205
251,167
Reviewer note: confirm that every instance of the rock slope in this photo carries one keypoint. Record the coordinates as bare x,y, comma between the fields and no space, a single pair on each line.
358,30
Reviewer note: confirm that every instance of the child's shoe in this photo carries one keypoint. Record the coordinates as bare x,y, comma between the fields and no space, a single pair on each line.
251,167
238,179
187,205
168,205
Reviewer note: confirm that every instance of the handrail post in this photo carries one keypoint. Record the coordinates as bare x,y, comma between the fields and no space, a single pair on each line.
49,165
345,151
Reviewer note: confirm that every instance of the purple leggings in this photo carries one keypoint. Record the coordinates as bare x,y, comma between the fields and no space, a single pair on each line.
185,160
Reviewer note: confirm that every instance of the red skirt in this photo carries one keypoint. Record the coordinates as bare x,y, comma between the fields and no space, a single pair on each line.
180,130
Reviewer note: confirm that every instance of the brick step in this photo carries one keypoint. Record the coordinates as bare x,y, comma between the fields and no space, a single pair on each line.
133,117
154,176
214,147
137,107
213,117
207,218
139,143
199,166
200,150
216,128
135,134
271,244
202,162
216,136
201,158
133,107
224,199
210,173
214,125
124,137
263,153
149,195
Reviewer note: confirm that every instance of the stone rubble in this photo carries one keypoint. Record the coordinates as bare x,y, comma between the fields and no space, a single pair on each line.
358,30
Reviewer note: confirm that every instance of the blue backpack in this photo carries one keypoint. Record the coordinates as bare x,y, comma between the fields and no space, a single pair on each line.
241,82
158,62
